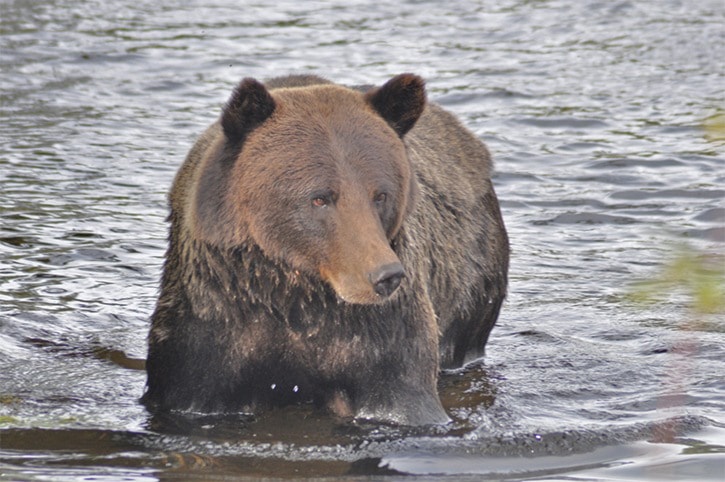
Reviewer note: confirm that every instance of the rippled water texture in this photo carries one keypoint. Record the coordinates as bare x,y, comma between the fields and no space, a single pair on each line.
594,111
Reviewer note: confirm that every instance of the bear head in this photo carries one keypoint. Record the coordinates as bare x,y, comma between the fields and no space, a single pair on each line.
316,176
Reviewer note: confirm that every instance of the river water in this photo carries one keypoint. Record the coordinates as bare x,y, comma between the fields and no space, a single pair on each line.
597,115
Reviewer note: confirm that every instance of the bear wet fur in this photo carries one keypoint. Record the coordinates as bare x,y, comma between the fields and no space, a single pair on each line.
330,245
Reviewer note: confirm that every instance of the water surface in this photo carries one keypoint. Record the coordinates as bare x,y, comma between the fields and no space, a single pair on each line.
594,112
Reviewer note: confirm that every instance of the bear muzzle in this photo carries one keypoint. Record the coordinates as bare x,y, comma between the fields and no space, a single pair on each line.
362,266
376,286
386,279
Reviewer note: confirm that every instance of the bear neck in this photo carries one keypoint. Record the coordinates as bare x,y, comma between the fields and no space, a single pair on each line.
245,278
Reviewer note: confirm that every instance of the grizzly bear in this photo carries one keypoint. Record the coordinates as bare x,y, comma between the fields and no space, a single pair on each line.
330,245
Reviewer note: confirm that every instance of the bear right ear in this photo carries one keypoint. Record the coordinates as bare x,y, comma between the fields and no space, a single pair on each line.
249,106
400,101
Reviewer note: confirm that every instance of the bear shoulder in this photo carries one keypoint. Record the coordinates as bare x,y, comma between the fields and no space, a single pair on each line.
186,177
448,159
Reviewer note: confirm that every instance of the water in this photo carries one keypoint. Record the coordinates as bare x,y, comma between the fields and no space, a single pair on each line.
594,112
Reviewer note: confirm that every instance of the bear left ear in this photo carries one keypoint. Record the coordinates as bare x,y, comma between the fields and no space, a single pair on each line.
249,106
400,101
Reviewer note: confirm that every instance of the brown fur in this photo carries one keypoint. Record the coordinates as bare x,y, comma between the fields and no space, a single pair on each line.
285,217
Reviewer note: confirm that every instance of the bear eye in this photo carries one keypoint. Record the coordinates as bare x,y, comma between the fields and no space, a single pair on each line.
319,201
322,199
380,198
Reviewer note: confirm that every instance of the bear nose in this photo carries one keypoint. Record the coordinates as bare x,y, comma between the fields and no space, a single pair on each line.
386,279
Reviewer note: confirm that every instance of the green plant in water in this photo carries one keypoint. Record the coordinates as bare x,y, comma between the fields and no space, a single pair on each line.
715,127
700,276
7,420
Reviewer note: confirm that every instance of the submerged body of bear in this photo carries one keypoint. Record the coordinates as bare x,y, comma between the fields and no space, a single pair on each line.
329,245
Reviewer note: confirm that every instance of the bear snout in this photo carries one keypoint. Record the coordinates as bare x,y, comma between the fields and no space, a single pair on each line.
387,278
358,285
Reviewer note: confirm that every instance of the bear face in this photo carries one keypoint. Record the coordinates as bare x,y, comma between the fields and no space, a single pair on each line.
317,177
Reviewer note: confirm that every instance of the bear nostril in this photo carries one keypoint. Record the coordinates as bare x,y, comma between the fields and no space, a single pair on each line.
387,278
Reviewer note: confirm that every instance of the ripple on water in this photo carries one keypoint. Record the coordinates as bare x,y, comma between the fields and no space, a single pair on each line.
683,193
587,218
